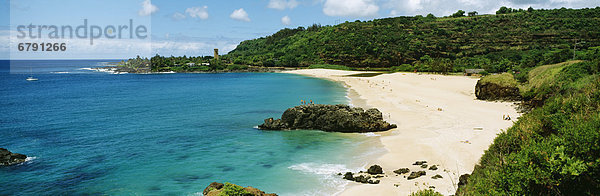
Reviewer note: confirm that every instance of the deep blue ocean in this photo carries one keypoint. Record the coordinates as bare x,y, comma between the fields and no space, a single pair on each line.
95,133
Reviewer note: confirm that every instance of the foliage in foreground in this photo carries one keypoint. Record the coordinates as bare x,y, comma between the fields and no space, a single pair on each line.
426,192
552,150
233,190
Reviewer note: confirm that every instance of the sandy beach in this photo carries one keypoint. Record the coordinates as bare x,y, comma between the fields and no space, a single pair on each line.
439,121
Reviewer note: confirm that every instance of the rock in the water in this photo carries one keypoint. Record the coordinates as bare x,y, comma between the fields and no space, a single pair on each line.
433,167
375,169
212,186
215,189
419,162
349,176
333,118
9,158
414,175
401,171
437,176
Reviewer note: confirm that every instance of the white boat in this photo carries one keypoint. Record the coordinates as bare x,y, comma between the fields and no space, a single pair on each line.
31,78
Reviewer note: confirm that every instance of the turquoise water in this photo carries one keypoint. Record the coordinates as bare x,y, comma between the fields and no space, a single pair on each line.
170,134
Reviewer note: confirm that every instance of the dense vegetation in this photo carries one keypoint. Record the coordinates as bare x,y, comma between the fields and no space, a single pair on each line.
180,64
555,148
510,40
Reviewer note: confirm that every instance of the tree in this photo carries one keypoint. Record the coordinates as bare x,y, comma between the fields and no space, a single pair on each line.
503,10
473,13
430,16
459,13
530,9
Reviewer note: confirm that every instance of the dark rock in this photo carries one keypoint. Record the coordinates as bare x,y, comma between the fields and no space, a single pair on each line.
433,167
414,175
375,169
374,181
437,176
339,174
349,176
401,171
332,118
424,166
212,186
492,91
9,158
419,162
362,179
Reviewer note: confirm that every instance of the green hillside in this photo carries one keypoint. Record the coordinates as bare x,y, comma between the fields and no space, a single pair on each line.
497,43
553,149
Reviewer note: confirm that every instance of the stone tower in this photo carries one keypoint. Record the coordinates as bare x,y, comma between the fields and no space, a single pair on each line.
216,54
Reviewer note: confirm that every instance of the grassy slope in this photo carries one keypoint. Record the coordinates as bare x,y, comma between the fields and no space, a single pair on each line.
554,149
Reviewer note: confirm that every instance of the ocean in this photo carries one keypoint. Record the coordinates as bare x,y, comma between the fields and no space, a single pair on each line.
96,133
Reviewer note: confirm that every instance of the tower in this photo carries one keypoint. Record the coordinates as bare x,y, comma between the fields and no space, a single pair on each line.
216,54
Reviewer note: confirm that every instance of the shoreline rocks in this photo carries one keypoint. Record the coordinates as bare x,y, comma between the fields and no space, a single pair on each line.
330,118
8,158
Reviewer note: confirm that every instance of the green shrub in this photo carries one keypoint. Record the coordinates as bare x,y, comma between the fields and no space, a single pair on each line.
426,192
233,190
329,66
403,67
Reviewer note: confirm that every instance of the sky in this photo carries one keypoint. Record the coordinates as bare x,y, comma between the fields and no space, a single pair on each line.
196,27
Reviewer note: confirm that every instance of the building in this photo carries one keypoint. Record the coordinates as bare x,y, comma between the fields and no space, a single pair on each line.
206,64
469,72
216,54
191,64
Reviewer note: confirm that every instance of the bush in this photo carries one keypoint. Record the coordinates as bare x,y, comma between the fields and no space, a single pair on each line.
233,190
403,67
329,66
426,192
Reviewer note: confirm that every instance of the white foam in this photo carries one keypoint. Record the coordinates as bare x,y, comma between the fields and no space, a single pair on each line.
61,72
255,127
87,68
30,159
370,134
328,176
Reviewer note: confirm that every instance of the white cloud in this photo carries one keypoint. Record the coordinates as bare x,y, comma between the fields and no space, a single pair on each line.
240,15
350,8
178,16
198,12
147,8
286,20
282,4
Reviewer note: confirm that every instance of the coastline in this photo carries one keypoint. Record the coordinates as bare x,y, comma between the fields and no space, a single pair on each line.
436,122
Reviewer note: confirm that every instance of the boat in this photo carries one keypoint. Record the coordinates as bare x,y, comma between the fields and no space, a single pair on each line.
31,78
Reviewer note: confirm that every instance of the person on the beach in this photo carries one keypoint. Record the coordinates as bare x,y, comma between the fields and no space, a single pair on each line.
311,103
302,102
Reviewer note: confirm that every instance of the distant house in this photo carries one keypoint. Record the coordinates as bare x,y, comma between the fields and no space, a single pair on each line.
191,64
469,72
206,64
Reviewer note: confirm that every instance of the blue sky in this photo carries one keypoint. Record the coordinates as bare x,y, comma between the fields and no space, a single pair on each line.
195,27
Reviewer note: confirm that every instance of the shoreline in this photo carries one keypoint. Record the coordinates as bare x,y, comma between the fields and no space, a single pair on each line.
442,134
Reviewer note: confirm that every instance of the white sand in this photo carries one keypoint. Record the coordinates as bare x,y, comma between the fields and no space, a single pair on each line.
424,133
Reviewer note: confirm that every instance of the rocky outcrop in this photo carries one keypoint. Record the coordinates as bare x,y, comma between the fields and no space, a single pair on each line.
414,175
9,158
402,171
331,118
375,169
492,91
215,189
